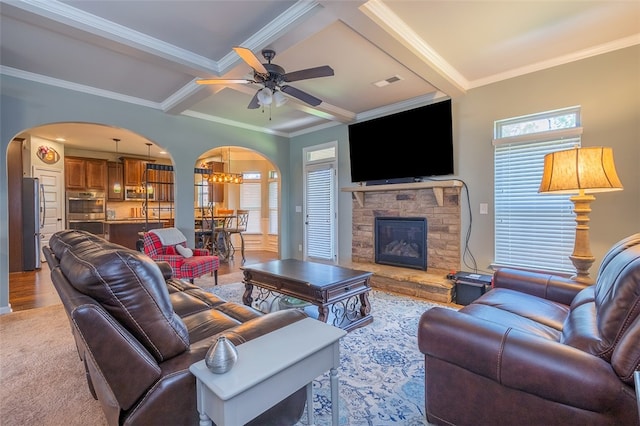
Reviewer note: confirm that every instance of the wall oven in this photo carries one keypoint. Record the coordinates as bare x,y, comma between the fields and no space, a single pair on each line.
86,205
86,210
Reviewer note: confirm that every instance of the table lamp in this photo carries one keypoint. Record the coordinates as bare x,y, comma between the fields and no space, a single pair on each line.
582,171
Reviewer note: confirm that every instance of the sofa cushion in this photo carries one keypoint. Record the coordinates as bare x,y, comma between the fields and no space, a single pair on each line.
130,286
526,313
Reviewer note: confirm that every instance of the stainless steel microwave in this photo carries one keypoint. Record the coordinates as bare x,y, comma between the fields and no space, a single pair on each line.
138,193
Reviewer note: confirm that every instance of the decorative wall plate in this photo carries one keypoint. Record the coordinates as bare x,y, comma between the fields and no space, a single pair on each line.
48,155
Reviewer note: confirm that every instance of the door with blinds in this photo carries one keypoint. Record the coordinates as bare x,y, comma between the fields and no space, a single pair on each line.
320,213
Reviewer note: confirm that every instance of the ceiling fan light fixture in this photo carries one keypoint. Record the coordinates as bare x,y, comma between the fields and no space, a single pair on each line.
279,99
271,76
265,97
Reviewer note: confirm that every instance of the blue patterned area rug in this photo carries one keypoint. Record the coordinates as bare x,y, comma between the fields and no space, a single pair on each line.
381,372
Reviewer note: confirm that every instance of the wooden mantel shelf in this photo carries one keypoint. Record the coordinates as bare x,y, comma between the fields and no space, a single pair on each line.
437,186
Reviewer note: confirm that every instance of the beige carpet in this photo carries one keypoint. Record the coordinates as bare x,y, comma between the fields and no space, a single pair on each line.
41,377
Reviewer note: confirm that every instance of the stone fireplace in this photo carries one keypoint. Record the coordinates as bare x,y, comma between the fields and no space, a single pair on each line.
438,203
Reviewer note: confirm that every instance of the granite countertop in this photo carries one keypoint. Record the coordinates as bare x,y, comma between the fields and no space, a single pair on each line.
133,220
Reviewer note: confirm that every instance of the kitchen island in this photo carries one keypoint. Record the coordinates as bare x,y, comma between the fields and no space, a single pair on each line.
125,231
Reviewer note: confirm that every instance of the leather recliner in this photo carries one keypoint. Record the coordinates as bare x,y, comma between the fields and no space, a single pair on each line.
137,331
539,349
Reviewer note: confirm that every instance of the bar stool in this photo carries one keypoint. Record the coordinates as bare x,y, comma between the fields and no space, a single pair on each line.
222,223
242,218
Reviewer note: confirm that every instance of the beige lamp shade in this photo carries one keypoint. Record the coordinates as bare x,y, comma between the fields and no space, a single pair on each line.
589,169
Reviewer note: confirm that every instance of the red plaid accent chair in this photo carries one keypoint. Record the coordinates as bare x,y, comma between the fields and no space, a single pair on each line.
160,245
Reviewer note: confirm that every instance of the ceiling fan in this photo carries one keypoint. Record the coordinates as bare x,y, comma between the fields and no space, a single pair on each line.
273,77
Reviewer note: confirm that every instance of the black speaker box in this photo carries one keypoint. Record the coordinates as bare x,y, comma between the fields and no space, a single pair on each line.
468,287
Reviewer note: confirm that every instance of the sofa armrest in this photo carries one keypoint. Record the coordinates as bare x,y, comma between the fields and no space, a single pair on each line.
113,365
200,252
165,268
174,260
518,360
547,286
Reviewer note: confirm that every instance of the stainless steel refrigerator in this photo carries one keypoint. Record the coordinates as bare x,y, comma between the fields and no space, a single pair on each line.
33,220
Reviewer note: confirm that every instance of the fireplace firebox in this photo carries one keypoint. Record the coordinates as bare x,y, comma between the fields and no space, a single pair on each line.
401,241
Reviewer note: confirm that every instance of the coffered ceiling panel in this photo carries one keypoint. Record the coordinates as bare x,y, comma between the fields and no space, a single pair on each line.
152,53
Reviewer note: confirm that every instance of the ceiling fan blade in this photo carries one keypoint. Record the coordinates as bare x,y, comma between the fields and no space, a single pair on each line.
254,102
250,58
323,71
303,96
225,81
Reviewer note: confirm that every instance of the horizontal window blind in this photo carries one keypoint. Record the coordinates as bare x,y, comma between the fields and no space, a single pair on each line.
319,208
532,230
251,199
273,207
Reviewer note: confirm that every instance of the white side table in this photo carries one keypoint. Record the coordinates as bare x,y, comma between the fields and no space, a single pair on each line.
636,378
270,368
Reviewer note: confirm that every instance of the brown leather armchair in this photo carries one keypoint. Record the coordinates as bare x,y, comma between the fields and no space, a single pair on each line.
538,349
137,331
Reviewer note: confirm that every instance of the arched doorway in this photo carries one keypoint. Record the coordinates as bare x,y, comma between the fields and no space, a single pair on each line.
41,152
252,183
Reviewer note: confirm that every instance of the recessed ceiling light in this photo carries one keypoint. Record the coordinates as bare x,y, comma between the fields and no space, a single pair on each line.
60,139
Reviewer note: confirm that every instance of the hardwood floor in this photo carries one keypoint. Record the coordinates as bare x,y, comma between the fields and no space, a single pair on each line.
34,289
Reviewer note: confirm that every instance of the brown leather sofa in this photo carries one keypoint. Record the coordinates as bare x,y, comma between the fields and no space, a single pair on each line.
137,331
539,349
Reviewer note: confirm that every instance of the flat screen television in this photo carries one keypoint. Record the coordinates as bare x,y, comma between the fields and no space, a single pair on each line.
403,147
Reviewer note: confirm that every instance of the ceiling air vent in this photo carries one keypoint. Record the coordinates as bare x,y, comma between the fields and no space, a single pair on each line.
388,81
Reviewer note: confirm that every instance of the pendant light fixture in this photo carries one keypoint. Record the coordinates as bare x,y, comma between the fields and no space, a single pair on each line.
225,177
117,187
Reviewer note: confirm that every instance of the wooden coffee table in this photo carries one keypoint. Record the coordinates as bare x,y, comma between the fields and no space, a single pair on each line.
341,294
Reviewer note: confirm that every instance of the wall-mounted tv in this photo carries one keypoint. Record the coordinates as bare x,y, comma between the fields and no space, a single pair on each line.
404,146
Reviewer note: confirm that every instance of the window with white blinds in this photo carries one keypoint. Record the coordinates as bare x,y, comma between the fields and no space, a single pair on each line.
251,199
273,207
533,230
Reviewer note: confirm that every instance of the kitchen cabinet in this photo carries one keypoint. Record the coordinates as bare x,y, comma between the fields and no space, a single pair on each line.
159,177
162,184
85,173
133,171
114,175
125,232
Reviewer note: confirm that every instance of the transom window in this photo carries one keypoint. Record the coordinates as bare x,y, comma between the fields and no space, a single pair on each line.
533,230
